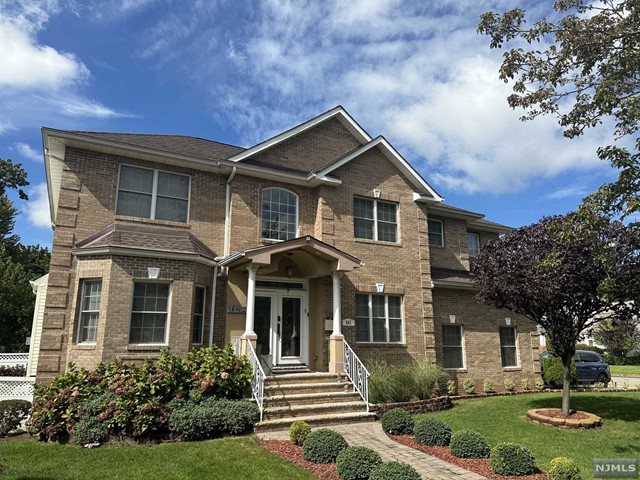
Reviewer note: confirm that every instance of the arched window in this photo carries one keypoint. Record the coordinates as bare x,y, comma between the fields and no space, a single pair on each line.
279,214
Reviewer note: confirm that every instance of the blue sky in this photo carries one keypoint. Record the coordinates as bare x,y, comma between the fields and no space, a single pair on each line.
241,71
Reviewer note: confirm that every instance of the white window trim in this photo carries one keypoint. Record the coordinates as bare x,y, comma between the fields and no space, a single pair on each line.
375,220
166,329
204,311
154,191
82,287
386,318
517,365
441,244
477,243
462,345
297,229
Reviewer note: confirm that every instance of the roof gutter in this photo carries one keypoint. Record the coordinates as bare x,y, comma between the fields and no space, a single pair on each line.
134,252
227,212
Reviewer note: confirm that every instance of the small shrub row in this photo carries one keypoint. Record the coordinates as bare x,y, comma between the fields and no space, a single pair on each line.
392,384
12,414
469,385
13,371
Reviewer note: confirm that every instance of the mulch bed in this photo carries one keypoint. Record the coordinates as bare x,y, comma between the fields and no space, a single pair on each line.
481,466
293,454
557,413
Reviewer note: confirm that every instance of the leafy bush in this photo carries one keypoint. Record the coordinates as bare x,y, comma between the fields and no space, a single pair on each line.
539,383
509,385
469,444
487,386
590,348
298,432
526,384
397,422
12,413
196,422
13,371
88,430
621,360
219,372
95,404
554,372
401,384
563,468
394,471
451,387
469,386
432,432
512,459
356,463
323,446
239,416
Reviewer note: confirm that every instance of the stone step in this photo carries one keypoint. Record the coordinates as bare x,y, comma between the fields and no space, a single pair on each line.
312,410
271,389
316,420
310,398
282,370
300,378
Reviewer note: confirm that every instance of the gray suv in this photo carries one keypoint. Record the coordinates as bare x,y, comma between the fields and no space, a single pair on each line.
590,366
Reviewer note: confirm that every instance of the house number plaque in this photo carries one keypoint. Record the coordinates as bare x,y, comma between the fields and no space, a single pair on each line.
236,309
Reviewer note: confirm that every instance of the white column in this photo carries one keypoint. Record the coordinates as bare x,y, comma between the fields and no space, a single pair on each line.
251,299
337,320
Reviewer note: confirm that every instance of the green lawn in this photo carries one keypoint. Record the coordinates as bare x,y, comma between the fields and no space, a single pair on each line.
228,458
502,419
625,370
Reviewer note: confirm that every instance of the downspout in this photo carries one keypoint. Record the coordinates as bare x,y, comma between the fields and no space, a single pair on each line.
214,285
227,213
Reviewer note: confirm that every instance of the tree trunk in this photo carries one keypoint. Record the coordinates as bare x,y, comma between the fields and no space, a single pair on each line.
566,387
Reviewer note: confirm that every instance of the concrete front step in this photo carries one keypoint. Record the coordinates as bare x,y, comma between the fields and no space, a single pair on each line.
313,410
316,420
296,389
311,398
300,378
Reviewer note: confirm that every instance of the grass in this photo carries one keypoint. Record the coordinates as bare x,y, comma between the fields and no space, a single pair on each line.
625,370
502,419
227,458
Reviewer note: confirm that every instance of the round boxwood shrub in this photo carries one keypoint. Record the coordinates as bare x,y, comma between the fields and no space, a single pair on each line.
298,432
563,468
323,446
432,432
394,471
356,463
88,430
512,459
469,444
397,422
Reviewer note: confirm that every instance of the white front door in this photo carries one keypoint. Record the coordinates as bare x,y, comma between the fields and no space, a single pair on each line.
282,326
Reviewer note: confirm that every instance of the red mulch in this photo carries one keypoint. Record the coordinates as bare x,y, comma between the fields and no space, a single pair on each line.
481,466
557,413
293,454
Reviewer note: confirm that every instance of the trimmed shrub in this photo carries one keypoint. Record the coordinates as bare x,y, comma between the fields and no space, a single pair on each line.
451,387
88,430
487,386
394,471
432,432
356,463
563,468
13,371
469,444
12,413
539,383
323,446
298,432
96,404
509,385
526,384
554,373
195,422
512,459
469,386
397,422
238,416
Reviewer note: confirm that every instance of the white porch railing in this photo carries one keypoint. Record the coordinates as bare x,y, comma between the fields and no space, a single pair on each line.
236,344
12,359
356,372
257,381
16,388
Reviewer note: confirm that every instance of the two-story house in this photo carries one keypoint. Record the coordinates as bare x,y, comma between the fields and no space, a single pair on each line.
317,236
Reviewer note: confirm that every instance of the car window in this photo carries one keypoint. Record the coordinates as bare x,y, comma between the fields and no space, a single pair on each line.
589,357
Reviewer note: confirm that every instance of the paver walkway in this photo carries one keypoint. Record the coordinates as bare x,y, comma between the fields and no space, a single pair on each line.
371,435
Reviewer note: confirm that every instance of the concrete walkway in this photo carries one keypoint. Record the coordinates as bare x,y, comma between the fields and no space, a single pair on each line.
619,382
371,435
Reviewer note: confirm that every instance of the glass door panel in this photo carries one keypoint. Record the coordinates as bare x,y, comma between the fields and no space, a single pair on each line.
291,333
262,325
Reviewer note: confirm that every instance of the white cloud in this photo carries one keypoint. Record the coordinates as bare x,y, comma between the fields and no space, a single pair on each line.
567,192
27,151
37,208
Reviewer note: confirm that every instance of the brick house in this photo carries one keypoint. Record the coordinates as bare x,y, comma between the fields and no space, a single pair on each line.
316,236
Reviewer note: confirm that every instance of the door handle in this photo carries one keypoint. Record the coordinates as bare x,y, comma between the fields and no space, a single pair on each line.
278,327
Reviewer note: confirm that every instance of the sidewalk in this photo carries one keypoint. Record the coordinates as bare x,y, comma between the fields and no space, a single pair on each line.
371,435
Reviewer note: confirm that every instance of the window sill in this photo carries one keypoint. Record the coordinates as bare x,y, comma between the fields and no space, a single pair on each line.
378,242
84,346
149,221
511,369
457,370
147,347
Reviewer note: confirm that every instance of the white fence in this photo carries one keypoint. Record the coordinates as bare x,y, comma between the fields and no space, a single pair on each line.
16,388
13,359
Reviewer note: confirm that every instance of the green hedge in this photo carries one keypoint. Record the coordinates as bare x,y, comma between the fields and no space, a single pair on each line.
554,372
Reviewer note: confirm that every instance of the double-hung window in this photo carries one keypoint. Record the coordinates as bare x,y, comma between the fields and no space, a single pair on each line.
198,315
279,214
436,234
149,313
473,244
154,194
452,346
378,318
375,220
508,346
91,291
